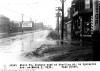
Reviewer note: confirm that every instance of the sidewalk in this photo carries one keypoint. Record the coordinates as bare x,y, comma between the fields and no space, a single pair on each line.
67,52
71,50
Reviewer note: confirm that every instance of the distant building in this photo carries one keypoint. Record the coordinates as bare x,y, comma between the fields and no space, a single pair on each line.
39,26
4,24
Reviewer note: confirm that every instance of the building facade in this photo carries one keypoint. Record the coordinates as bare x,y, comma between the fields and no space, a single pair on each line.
67,26
82,17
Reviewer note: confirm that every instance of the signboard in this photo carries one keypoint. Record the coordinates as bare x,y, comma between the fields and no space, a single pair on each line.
58,15
95,14
87,4
27,24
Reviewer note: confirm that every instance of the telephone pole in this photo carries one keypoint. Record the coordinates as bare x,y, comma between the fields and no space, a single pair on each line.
62,24
58,15
22,22
22,32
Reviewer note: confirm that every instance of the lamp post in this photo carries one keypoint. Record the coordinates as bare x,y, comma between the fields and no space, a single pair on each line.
62,24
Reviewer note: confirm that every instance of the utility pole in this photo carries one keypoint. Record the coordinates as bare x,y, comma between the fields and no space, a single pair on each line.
31,23
58,21
22,22
62,24
22,32
58,15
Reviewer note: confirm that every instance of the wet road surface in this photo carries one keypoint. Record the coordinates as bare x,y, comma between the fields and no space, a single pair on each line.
13,49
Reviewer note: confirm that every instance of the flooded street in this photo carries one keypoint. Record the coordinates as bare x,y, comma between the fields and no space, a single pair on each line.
13,49
47,34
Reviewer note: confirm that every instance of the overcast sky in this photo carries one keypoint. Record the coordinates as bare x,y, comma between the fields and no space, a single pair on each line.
39,10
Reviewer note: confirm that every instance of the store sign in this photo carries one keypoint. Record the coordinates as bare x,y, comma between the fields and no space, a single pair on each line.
96,14
87,4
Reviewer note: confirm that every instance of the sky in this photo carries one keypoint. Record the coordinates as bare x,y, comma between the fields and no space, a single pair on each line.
37,10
